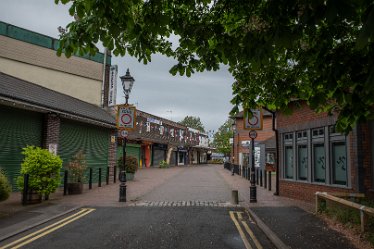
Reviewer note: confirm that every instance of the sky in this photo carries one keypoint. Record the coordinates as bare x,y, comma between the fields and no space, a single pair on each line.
205,95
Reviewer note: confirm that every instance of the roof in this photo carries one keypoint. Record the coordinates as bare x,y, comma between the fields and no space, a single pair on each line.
265,113
29,94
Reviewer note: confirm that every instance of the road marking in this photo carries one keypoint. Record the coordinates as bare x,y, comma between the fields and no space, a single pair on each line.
46,230
249,231
245,241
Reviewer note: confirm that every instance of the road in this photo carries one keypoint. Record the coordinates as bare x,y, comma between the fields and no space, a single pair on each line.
190,210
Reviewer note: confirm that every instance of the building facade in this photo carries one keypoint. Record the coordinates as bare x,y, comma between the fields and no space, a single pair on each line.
156,139
314,156
264,143
52,102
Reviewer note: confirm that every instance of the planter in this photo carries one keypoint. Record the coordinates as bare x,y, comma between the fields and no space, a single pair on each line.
130,176
33,197
75,188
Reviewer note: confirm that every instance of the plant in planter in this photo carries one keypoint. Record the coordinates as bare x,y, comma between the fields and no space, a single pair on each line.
163,164
76,167
131,166
43,169
5,187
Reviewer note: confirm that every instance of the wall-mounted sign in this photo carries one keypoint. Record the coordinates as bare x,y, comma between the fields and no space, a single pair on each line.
52,148
254,122
112,93
153,120
126,117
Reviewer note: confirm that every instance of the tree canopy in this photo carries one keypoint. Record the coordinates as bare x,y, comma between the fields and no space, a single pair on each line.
221,139
193,122
318,51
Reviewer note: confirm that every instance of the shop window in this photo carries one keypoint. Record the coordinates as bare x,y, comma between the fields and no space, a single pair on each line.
319,163
288,162
339,163
302,162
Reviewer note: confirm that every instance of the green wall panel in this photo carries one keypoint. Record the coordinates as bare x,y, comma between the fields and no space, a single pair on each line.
18,128
93,140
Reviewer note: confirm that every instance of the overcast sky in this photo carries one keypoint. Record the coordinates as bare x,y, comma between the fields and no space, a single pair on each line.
206,95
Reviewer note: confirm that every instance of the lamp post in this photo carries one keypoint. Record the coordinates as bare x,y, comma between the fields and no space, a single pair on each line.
252,187
127,83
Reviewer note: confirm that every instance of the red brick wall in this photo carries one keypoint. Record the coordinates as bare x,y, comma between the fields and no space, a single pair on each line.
51,129
305,191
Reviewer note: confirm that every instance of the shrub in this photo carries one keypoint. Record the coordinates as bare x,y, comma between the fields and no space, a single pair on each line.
131,164
5,187
76,167
43,168
163,164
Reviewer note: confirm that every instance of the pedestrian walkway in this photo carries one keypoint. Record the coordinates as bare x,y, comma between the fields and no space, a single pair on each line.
288,223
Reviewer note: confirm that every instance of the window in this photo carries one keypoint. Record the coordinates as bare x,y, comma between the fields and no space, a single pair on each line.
319,132
288,162
339,163
319,163
302,162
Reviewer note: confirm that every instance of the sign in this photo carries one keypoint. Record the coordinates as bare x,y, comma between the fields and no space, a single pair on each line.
52,148
112,93
112,139
124,133
126,117
254,122
253,134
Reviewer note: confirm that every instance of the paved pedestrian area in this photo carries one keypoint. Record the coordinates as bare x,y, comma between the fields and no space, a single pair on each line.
288,223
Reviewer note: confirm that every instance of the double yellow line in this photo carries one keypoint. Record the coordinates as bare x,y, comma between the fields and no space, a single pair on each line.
46,230
237,223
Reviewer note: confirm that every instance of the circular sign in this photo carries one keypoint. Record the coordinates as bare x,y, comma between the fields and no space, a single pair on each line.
124,133
253,120
126,118
253,134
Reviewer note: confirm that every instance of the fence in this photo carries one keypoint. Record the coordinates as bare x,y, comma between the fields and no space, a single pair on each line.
364,211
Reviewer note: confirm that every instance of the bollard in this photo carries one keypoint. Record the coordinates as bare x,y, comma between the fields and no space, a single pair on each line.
25,188
107,175
66,182
260,177
233,169
265,179
115,174
99,177
269,180
235,197
90,180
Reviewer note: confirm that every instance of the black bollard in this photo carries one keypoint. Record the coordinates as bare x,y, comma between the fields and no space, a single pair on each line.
107,175
114,174
269,180
25,188
260,177
99,177
66,182
90,180
265,179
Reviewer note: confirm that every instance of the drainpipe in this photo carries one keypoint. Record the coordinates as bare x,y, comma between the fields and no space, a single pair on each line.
277,151
103,84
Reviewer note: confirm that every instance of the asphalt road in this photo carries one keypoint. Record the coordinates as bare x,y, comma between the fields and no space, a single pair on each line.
148,227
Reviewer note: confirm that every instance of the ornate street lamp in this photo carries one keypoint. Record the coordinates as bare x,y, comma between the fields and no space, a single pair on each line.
127,83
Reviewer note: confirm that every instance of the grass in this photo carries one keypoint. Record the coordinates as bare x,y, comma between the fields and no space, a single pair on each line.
350,217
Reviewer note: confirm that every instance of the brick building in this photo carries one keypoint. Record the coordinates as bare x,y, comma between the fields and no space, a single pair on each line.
313,156
265,141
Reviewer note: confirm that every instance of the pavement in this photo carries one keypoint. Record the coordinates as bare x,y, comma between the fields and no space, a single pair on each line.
287,223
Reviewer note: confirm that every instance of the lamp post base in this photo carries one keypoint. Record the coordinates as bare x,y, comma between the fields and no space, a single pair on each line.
252,194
